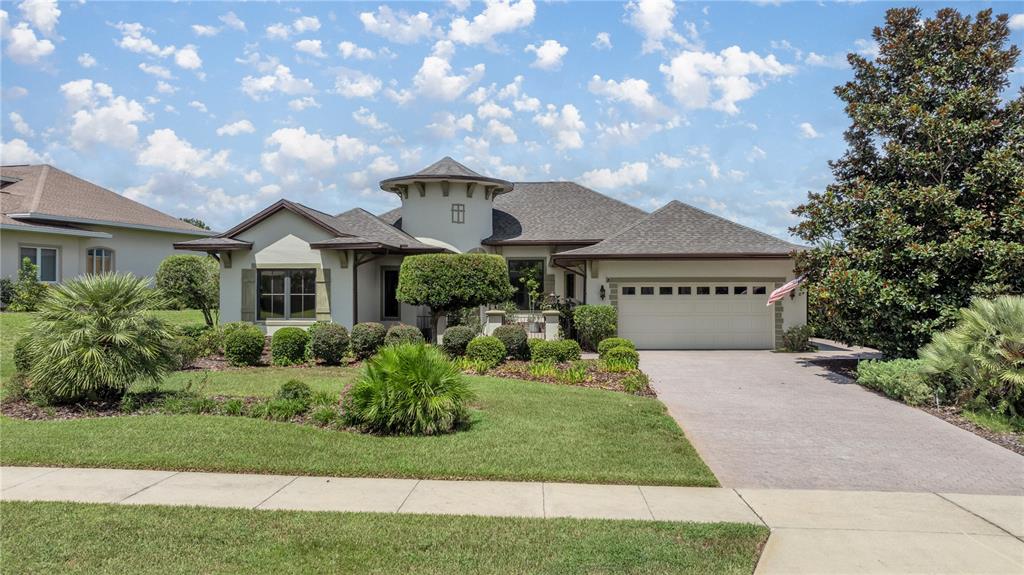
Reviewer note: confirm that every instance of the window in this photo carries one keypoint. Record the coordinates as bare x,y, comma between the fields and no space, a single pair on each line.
527,276
647,291
45,258
458,213
99,260
286,294
570,285
759,290
390,308
685,290
665,290
721,290
629,291
739,290
703,290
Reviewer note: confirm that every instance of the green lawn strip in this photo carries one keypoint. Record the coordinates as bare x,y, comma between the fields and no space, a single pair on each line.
523,431
44,537
257,381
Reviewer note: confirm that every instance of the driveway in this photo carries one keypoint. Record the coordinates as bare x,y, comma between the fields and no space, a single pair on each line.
772,420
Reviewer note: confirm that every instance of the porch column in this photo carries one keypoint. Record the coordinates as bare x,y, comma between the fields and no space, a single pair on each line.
551,324
495,317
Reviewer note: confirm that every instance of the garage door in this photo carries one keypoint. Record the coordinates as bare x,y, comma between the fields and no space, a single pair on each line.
697,315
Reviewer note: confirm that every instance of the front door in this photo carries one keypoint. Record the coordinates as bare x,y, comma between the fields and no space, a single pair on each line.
390,308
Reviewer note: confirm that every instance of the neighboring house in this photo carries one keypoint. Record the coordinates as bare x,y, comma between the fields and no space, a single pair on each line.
680,277
69,227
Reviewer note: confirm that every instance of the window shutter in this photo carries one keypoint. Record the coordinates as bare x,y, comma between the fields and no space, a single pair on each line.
549,286
249,295
323,294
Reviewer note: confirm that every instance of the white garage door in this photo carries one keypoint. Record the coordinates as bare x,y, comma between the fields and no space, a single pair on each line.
705,315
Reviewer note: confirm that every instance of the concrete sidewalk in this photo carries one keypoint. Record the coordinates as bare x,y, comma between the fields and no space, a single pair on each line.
812,531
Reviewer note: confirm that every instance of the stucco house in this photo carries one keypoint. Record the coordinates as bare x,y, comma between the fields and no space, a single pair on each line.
69,227
680,277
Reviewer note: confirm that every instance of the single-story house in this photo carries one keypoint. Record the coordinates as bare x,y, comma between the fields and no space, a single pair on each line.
69,227
679,276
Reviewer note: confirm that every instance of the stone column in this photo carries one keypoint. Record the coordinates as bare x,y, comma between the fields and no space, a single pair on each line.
495,317
551,324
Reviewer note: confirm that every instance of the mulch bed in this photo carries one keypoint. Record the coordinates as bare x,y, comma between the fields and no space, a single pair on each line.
22,409
596,378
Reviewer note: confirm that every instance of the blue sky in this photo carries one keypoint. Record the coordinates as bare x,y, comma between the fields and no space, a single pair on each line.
216,109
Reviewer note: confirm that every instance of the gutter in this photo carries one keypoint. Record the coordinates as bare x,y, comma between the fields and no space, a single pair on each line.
53,218
55,231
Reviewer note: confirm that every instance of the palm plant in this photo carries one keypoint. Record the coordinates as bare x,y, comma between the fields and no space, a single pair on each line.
94,337
408,389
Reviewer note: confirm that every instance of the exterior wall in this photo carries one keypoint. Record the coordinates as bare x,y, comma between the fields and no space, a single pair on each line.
431,215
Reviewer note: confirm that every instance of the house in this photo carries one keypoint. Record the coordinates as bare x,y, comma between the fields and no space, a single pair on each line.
680,277
68,227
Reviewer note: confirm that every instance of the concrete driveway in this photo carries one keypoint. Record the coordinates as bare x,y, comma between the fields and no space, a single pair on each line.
772,420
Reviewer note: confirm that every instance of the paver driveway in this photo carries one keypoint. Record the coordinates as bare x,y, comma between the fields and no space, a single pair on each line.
764,419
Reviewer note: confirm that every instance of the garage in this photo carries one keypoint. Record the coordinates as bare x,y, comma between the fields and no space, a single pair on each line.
696,315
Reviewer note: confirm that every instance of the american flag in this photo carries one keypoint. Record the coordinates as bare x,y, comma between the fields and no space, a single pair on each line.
784,290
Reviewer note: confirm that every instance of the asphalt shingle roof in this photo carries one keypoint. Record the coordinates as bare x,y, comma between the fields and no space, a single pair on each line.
363,225
446,169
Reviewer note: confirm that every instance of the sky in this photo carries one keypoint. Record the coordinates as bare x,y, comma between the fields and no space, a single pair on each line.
215,110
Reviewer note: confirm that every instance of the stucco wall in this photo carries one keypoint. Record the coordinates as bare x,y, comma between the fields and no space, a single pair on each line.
431,215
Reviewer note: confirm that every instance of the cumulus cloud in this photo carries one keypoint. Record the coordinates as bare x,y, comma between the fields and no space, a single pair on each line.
281,80
232,21
311,47
300,104
1017,22
670,162
24,48
235,128
165,88
521,101
364,117
502,132
400,27
435,79
549,54
807,131
355,84
400,97
492,110
205,30
603,41
352,50
633,91
654,19
17,151
628,174
42,14
446,125
20,125
164,149
498,17
301,25
295,148
564,126
188,58
867,48
197,105
720,81
133,40
756,153
86,60
100,117
834,61
155,70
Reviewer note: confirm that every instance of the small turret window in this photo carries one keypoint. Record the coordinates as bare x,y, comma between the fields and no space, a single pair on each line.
458,213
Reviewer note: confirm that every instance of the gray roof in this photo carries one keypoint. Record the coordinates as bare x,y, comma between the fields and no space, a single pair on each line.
681,230
365,227
445,169
213,244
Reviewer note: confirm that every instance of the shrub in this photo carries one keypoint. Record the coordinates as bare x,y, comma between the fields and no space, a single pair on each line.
232,407
28,290
900,379
403,333
325,415
329,343
622,355
229,328
514,338
558,351
278,409
367,338
244,345
636,383
16,388
488,349
610,342
321,398
594,323
185,351
288,346
982,357
6,292
211,341
295,389
94,337
455,340
22,357
408,389
194,330
797,339
192,281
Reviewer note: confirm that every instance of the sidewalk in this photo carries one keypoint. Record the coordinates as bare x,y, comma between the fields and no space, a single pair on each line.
812,531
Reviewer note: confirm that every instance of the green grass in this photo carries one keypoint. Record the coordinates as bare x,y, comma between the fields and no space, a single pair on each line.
520,430
257,381
89,538
14,324
996,422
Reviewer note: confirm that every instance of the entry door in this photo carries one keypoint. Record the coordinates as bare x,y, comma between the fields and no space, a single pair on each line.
390,308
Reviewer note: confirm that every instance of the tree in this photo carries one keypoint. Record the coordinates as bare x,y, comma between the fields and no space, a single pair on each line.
196,222
927,208
448,282
28,290
194,281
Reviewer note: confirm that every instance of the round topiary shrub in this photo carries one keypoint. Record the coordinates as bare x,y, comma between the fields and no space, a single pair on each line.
455,340
22,356
367,338
487,349
594,323
288,346
514,338
295,389
622,358
329,343
244,345
611,342
556,351
568,350
403,333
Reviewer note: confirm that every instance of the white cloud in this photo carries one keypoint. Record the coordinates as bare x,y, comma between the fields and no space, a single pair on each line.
280,81
252,177
521,101
628,174
807,131
502,131
382,165
756,153
355,84
867,48
499,17
232,21
654,20
603,41
17,151
205,30
633,91
278,31
400,27
549,54
834,61
100,117
719,81
196,104
311,47
306,24
295,148
155,70
24,48
42,14
165,88
671,162
235,128
300,104
363,116
133,40
301,25
86,60
352,50
564,126
400,97
188,58
459,5
14,92
446,125
492,110
20,125
1017,22
434,78
164,149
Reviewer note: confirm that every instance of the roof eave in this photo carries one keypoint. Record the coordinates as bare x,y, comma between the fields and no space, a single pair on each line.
58,218
539,242
209,247
40,229
568,256
505,186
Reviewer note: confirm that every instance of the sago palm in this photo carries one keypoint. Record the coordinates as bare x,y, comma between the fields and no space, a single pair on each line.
95,336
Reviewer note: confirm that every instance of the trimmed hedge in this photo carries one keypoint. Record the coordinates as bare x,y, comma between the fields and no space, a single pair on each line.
557,351
456,338
901,379
328,343
514,338
403,333
367,338
594,323
288,346
487,349
244,345
621,358
608,343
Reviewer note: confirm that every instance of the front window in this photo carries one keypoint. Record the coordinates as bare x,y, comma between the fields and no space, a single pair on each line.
286,294
99,260
44,258
458,213
527,277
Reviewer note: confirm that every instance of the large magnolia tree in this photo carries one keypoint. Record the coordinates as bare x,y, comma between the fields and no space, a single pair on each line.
927,208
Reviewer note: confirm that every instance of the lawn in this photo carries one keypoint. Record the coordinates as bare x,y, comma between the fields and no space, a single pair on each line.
79,537
524,431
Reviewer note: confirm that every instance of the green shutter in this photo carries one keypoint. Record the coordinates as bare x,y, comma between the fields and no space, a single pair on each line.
249,295
323,294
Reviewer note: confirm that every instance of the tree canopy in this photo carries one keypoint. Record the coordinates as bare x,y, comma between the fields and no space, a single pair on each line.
927,206
193,281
